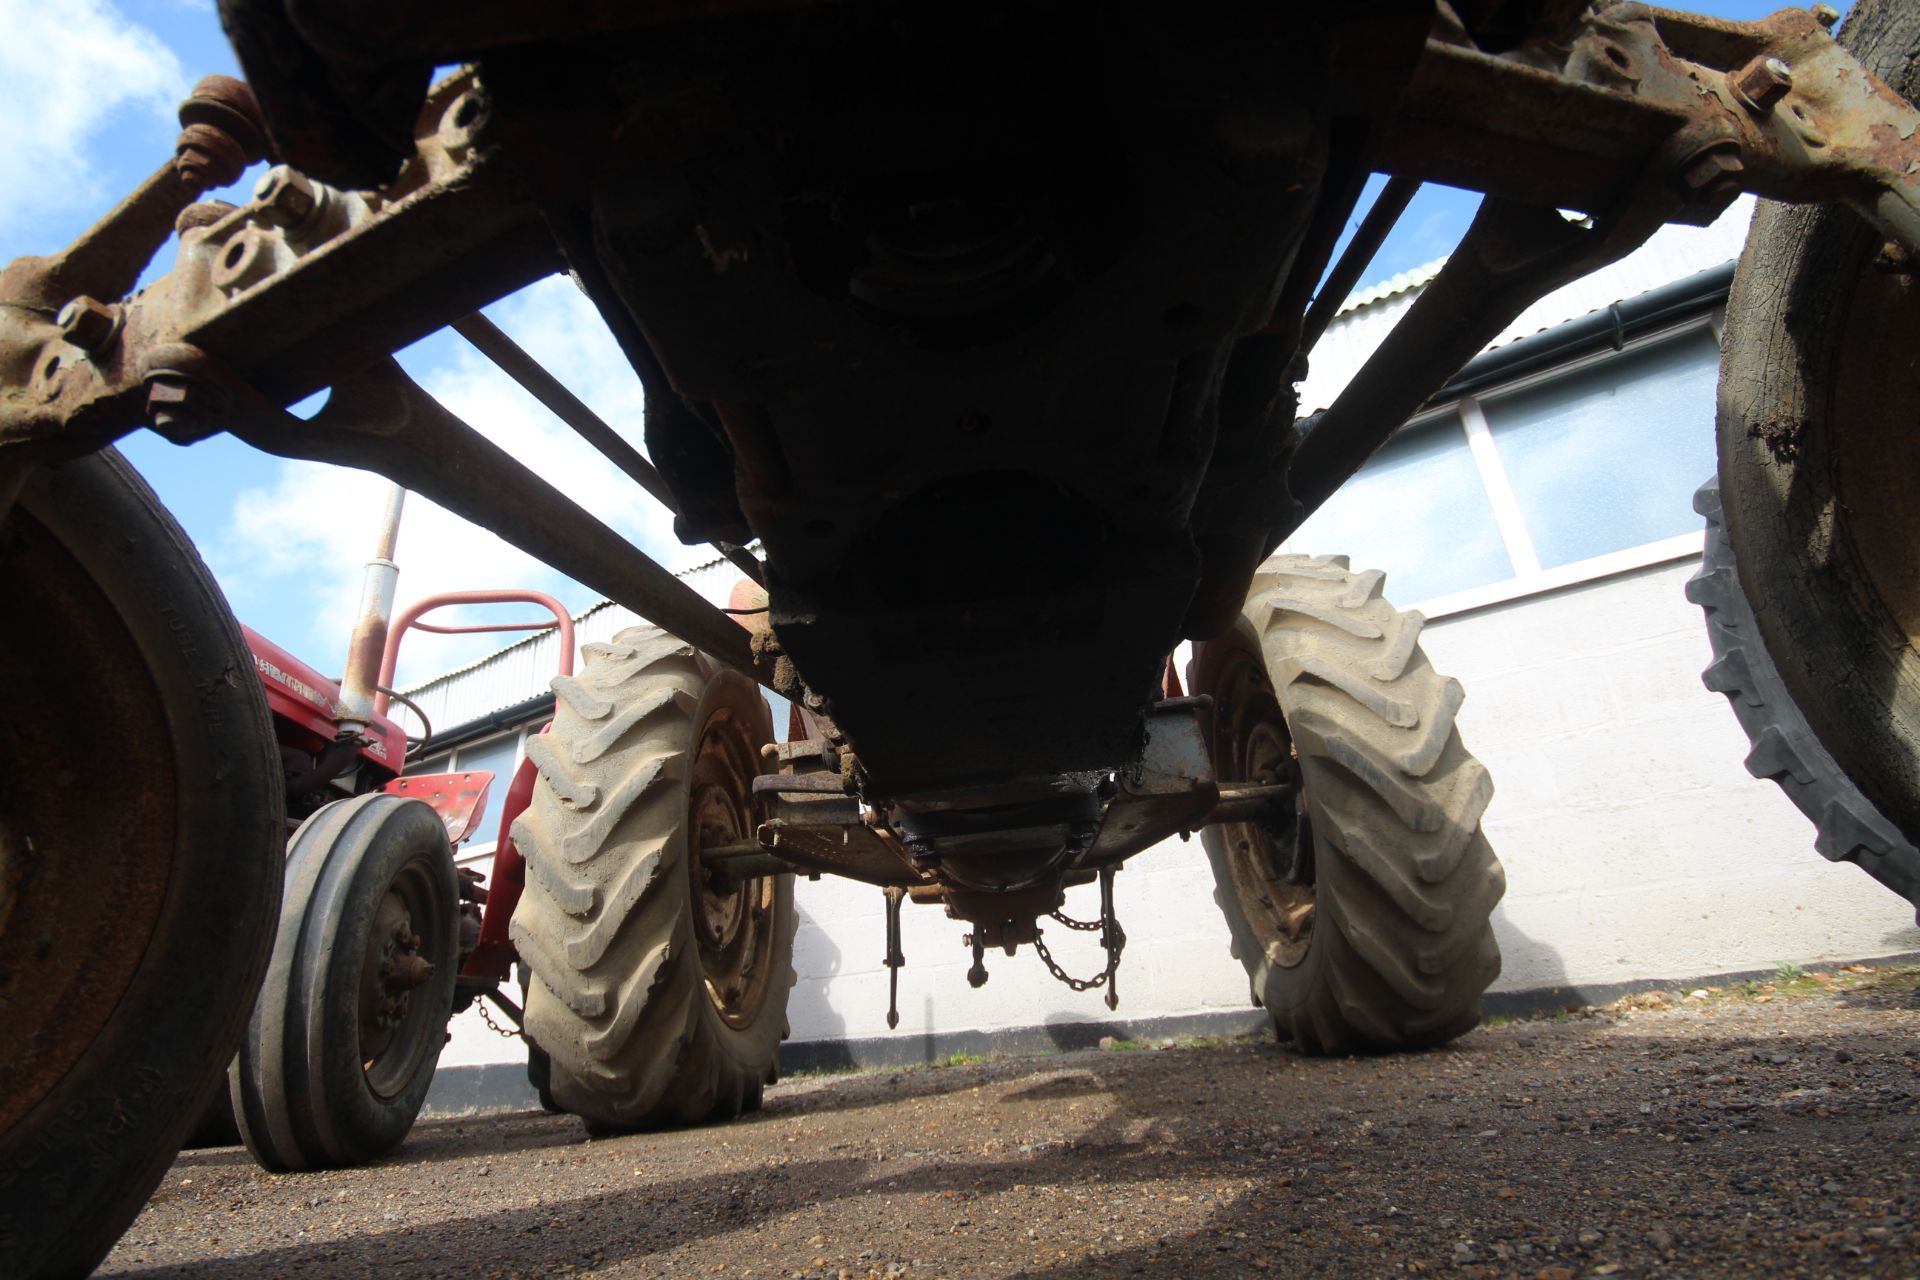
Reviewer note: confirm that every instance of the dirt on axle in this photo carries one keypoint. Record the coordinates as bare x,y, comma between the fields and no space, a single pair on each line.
1762,1130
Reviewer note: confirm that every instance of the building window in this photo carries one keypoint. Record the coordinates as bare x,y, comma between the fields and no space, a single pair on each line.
1608,457
1570,475
1418,511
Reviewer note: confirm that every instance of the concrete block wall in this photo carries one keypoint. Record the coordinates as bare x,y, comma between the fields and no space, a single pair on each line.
1636,847
1635,842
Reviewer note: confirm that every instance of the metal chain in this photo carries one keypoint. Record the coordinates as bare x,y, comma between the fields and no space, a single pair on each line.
1085,926
1077,984
487,1018
1113,940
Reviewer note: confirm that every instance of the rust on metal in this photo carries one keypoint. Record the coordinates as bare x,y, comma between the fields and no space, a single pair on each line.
88,324
1253,803
853,850
221,132
365,672
247,292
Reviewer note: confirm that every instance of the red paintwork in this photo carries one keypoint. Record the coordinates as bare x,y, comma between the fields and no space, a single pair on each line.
304,703
493,958
302,698
459,798
1170,681
748,601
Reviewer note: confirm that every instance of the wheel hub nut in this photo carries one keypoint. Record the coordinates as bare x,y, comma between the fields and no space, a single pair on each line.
404,973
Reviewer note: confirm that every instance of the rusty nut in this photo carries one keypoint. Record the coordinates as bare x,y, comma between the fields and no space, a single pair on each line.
407,972
1712,172
88,324
178,409
1762,83
207,157
285,196
225,106
1826,15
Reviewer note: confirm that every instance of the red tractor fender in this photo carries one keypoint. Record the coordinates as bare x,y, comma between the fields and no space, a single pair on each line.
493,958
459,798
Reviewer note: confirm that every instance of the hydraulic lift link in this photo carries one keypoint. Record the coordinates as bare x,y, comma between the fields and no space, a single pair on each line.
895,895
1112,939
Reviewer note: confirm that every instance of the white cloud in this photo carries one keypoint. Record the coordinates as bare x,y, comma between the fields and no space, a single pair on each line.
307,535
66,69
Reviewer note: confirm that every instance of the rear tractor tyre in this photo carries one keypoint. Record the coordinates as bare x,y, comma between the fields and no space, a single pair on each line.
1817,454
1847,827
343,1042
539,1065
659,986
1363,916
140,843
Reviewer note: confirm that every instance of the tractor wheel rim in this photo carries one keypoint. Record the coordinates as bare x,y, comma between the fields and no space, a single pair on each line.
733,920
397,1024
83,884
1254,746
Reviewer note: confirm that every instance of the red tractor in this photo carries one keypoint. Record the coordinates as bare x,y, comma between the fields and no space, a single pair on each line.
381,938
985,321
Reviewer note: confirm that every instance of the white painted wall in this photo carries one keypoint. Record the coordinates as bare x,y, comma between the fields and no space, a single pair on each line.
1635,843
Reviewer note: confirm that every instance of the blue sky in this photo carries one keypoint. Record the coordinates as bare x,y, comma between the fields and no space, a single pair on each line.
88,90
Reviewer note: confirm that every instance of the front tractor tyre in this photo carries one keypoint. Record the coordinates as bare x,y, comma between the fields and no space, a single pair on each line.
660,984
1362,914
343,1042
140,842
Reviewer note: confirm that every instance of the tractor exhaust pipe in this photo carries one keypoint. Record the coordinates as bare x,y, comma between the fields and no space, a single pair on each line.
359,684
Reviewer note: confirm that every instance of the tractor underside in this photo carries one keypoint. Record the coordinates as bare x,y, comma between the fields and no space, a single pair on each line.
983,319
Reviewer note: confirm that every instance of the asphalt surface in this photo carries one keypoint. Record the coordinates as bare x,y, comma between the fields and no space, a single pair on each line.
1765,1131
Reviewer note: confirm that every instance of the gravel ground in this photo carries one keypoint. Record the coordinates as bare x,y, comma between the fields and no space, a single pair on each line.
1766,1130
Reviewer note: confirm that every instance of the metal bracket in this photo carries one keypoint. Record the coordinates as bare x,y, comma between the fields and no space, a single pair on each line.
301,288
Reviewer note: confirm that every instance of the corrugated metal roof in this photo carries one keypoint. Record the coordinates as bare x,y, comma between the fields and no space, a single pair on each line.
1392,286
523,669
1673,253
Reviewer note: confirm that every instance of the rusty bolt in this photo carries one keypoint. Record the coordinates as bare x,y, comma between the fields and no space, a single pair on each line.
1762,83
1712,173
178,408
206,156
286,197
222,132
1826,15
88,324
